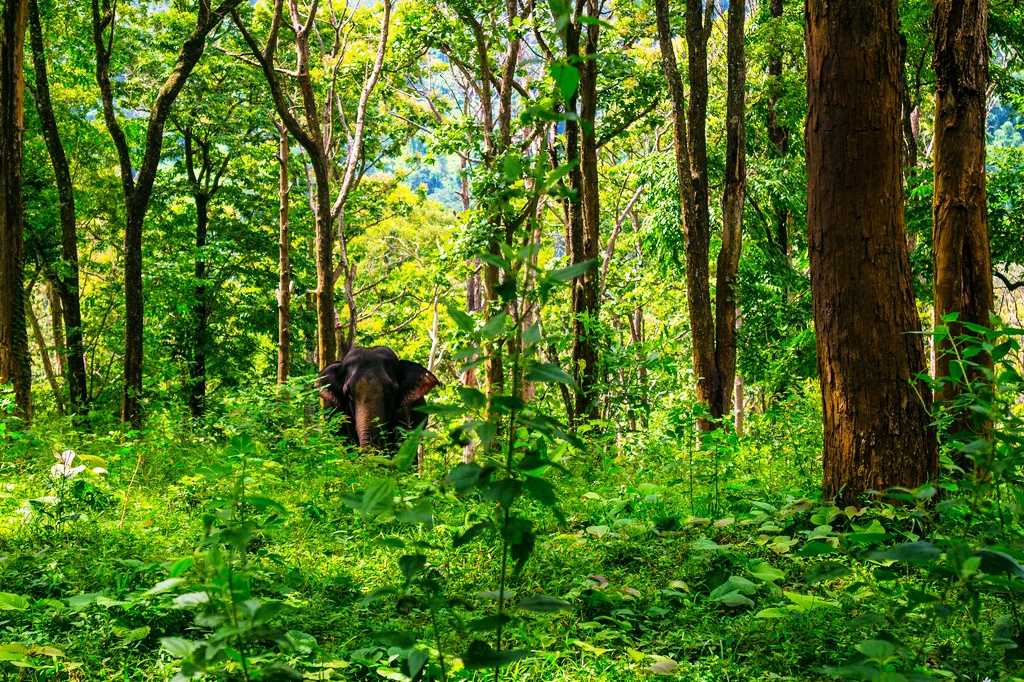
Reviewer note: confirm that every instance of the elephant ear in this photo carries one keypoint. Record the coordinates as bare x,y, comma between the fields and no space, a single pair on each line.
331,382
414,381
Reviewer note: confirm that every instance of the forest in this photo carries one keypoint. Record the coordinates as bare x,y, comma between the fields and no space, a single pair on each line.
427,340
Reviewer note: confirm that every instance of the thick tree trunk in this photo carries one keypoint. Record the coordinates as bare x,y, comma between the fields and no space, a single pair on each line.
732,215
284,269
200,313
876,420
66,277
15,365
963,265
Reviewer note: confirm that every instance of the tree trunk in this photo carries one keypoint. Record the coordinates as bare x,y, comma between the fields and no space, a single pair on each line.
44,354
15,363
200,313
284,270
778,135
876,421
57,325
585,301
131,410
963,265
66,277
732,215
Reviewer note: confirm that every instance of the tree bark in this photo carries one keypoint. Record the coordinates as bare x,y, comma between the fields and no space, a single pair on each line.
15,363
284,270
585,301
876,413
200,312
732,214
66,276
963,265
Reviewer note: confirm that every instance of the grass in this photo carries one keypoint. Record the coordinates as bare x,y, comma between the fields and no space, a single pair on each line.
637,566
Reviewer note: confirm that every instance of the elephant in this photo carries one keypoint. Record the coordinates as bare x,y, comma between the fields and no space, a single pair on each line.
378,393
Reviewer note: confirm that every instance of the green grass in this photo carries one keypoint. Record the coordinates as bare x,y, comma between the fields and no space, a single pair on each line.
631,558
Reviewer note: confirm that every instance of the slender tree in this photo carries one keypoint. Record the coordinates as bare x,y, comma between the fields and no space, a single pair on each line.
877,432
204,172
714,330
15,364
963,264
586,225
137,183
64,275
284,269
778,134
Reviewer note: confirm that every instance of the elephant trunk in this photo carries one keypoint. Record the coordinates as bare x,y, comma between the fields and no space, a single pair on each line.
369,415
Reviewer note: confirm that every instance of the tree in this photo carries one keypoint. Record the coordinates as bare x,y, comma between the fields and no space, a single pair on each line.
732,215
963,264
876,422
137,183
317,136
15,364
204,173
714,333
64,275
284,294
585,227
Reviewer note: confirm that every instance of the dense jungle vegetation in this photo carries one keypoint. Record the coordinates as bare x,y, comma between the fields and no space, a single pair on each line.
713,311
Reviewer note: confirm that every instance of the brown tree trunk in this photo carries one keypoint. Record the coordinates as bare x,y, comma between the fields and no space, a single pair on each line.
57,326
200,313
963,265
714,342
585,301
876,421
778,135
732,215
44,354
15,364
284,269
66,277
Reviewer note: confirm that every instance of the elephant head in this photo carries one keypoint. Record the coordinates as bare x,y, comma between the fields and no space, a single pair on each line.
378,393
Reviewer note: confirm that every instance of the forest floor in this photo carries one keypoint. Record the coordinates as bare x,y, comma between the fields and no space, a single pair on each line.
114,575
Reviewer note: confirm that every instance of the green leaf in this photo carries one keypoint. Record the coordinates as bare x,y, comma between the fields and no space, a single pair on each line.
543,603
541,490
466,536
765,572
464,476
411,565
480,655
416,660
910,552
462,319
805,602
567,77
993,563
12,602
377,499
495,326
407,452
178,647
734,599
571,272
877,649
488,623
548,373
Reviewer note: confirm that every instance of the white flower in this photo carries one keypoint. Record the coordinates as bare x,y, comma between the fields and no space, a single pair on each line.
63,468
